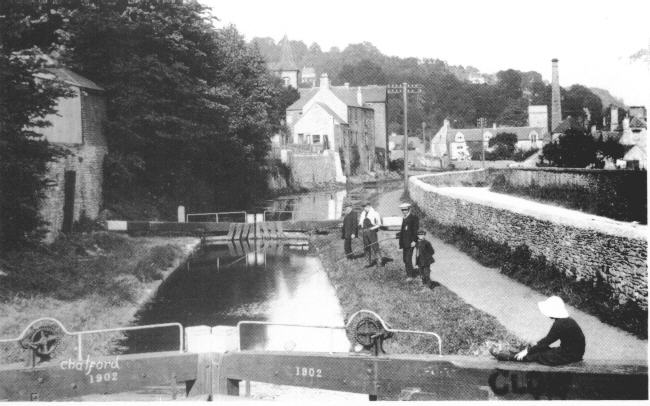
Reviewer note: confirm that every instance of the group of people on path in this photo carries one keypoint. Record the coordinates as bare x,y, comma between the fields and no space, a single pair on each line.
411,240
564,329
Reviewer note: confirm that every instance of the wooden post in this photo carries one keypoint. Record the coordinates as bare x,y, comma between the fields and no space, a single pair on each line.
406,137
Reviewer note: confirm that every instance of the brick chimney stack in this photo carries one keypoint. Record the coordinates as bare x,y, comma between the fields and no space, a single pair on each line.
556,102
324,80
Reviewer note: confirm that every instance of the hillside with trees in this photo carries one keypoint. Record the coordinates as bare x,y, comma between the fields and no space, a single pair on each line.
448,91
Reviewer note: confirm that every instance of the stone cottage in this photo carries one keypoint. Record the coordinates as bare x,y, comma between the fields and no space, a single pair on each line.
342,119
77,179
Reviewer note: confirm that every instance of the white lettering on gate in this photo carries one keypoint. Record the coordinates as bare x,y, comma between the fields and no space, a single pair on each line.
89,366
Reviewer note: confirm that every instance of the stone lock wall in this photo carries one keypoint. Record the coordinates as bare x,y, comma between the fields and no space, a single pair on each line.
617,250
308,170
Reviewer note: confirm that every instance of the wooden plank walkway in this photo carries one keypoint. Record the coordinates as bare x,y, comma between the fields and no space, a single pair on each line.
271,230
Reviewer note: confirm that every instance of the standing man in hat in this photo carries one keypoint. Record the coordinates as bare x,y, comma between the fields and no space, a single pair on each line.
408,237
350,230
564,328
370,221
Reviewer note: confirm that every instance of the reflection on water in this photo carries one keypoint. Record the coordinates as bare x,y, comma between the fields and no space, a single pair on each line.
224,284
322,205
263,281
311,206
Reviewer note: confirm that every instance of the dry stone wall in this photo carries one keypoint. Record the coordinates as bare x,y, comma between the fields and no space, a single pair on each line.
582,252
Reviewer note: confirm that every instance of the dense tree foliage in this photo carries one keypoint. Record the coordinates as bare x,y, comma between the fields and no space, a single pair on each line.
26,96
503,146
574,149
190,108
460,94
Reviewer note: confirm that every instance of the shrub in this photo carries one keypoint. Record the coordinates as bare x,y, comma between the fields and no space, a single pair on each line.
396,165
522,155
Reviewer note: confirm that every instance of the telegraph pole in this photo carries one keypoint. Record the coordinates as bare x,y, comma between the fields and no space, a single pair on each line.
405,89
424,144
481,124
406,136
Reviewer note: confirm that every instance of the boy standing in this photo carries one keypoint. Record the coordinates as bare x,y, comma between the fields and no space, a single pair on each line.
424,258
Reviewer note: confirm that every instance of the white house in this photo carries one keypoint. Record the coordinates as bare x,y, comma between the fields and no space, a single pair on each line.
459,143
453,142
338,117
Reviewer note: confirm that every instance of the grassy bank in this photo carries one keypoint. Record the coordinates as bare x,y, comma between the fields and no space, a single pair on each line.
593,297
87,281
408,305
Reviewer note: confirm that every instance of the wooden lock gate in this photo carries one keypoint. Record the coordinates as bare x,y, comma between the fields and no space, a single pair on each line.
381,376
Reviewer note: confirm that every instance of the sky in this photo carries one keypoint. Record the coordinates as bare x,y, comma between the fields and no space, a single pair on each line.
593,40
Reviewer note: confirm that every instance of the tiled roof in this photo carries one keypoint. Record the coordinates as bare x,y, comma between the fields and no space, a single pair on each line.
522,132
332,113
69,77
373,94
470,134
476,134
348,95
305,96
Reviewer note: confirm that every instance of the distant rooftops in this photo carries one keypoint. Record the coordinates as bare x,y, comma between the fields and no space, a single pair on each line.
347,94
476,134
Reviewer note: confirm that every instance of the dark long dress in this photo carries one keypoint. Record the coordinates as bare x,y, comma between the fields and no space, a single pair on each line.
571,349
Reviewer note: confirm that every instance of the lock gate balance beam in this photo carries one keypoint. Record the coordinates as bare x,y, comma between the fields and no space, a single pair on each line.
387,377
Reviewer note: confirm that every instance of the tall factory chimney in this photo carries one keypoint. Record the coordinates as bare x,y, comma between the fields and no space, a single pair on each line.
556,103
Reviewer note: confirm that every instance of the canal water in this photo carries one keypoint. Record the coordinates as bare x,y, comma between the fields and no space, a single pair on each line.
260,281
225,284
267,281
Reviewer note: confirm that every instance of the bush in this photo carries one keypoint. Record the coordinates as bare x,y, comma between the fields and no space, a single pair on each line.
574,149
522,155
396,165
620,195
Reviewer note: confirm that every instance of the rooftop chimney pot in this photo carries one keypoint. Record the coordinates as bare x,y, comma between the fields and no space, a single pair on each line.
324,80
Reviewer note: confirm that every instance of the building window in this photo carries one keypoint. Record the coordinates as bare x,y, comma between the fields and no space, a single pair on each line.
533,137
316,138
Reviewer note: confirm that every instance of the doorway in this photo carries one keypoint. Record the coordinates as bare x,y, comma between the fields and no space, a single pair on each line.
68,200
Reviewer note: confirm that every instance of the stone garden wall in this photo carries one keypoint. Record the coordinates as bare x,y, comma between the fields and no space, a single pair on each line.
579,244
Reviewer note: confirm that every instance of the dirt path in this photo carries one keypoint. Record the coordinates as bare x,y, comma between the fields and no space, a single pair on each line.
514,304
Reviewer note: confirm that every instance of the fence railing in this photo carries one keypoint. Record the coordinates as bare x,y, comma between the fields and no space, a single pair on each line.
344,328
298,148
267,215
230,216
44,335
